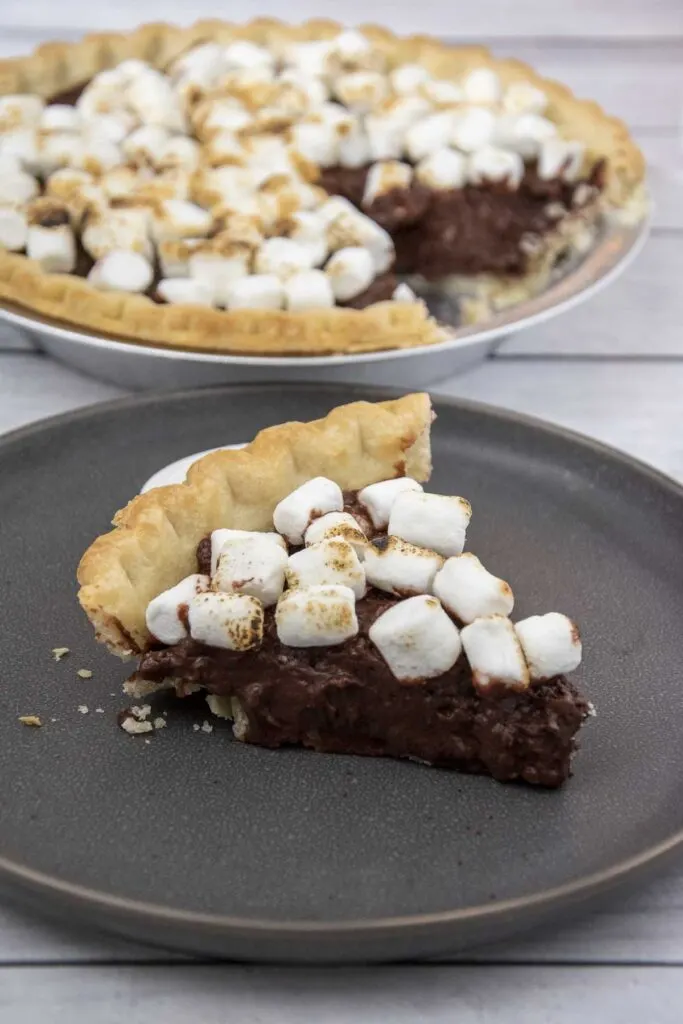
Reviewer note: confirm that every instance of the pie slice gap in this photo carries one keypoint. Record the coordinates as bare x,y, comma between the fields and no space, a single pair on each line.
320,596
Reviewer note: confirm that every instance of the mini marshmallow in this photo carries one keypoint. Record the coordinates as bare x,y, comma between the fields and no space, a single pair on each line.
219,270
384,177
494,654
443,169
166,614
207,57
386,126
437,521
350,271
295,513
17,188
231,621
151,98
416,639
13,229
318,616
330,562
111,230
493,164
54,248
404,293
283,257
251,565
258,291
116,183
379,498
347,227
223,148
551,645
524,98
525,133
315,58
96,154
472,129
22,144
179,151
467,590
310,229
428,135
407,78
340,525
10,163
361,91
560,158
245,55
354,148
401,568
185,291
308,289
481,85
115,126
315,88
441,93
225,117
174,256
59,117
122,272
223,537
352,47
316,142
178,218
20,111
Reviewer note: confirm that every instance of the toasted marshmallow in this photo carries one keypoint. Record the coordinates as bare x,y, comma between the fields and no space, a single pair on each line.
208,58
174,256
96,154
379,498
179,151
185,291
231,621
220,270
115,126
472,129
384,177
361,91
441,93
178,218
353,48
19,111
151,98
354,148
309,229
560,158
251,565
229,184
315,142
316,59
295,513
258,291
407,78
245,55
308,289
437,521
283,257
524,98
443,169
494,654
22,145
428,135
112,230
116,183
315,88
467,590
17,188
237,229
331,562
122,272
59,117
337,525
225,117
493,164
350,271
223,148
166,614
404,293
401,568
54,248
146,144
416,639
13,228
224,538
347,227
481,85
525,133
551,645
318,616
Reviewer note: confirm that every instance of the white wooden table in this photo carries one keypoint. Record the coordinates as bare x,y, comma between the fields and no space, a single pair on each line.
613,369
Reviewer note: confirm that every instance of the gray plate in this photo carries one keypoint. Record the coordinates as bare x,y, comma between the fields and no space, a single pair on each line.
199,842
145,366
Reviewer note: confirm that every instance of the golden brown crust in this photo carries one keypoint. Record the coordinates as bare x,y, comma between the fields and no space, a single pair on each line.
56,67
154,540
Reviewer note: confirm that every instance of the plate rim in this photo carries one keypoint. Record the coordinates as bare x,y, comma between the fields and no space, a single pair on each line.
15,876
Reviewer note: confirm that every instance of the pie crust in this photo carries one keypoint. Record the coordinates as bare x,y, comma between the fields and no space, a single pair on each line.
154,540
57,67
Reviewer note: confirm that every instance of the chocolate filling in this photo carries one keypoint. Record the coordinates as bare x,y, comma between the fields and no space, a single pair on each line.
344,699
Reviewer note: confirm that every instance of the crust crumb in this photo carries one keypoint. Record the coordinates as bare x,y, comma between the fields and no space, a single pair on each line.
84,673
30,720
59,652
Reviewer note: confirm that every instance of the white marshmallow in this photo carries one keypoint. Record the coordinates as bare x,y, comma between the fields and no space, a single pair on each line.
354,148
316,59
151,98
223,537
223,148
441,93
481,85
428,135
350,271
59,117
379,498
309,229
9,163
251,565
524,98
361,91
13,228
258,291
351,46
437,521
111,230
473,129
19,111
122,272
443,169
560,158
466,589
115,126
166,614
493,164
416,639
179,151
551,645
385,137
347,227
404,293
219,271
17,188
494,654
316,617
283,257
207,58
96,154
185,291
337,525
385,176
174,256
225,117
231,621
331,562
116,183
402,568
295,513
407,78
315,88
53,248
245,55
22,144
178,218
309,289
525,133
316,142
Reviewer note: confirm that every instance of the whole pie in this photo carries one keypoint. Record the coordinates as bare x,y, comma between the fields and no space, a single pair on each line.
321,597
290,190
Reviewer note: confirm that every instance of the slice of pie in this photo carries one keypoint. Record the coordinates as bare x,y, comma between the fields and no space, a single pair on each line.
274,189
320,596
